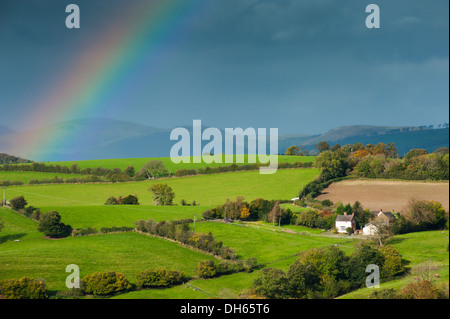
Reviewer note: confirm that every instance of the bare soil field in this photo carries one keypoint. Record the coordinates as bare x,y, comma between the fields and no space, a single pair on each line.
386,194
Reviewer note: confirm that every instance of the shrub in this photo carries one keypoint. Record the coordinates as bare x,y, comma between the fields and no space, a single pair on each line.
130,200
50,224
18,203
36,215
227,253
250,264
423,289
206,269
84,231
387,293
327,203
392,261
105,283
160,278
162,194
112,201
271,283
24,288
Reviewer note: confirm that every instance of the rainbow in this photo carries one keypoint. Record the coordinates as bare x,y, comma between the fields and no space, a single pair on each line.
146,33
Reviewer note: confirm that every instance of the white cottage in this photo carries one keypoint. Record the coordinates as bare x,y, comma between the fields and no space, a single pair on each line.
381,218
370,230
345,221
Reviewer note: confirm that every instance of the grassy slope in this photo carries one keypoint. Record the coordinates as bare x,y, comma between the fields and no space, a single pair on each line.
410,245
172,167
38,257
415,248
274,249
121,215
265,244
205,189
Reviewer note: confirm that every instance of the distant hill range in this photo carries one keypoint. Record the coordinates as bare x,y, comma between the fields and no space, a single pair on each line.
406,138
105,138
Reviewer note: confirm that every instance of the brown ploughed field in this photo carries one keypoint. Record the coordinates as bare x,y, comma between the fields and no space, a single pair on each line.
386,194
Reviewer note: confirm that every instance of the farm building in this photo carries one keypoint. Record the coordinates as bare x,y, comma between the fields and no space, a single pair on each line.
370,230
345,221
381,218
384,218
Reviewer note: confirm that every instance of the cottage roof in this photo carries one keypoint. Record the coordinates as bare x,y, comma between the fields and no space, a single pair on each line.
387,214
344,218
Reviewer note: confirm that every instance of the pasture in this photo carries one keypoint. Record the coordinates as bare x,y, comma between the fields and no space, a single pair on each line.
25,177
188,163
121,215
206,190
25,252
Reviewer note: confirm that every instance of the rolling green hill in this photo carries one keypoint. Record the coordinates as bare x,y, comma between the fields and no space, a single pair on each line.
206,190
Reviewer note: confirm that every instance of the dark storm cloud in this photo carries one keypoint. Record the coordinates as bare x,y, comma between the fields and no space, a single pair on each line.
303,66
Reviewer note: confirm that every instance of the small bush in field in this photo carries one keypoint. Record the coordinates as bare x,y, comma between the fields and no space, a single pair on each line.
206,269
160,278
23,288
105,283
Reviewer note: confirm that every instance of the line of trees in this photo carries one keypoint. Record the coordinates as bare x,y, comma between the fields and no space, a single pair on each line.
258,209
181,232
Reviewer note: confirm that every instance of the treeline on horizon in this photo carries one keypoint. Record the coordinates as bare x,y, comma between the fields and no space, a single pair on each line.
152,170
10,159
336,162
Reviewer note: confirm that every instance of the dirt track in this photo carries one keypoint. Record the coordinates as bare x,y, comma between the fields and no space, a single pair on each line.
385,194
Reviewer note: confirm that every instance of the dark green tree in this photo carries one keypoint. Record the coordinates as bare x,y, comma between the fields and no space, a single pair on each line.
51,225
18,203
271,283
303,280
130,171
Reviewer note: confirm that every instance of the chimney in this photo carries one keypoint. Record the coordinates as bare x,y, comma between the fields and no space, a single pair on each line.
345,213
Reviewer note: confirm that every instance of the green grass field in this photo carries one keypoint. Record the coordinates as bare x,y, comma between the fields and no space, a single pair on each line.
265,244
170,166
25,177
121,215
25,252
38,257
207,190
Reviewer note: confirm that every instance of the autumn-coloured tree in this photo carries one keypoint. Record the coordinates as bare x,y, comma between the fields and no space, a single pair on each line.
322,146
423,213
380,149
275,213
293,150
245,212
423,289
392,150
232,209
361,153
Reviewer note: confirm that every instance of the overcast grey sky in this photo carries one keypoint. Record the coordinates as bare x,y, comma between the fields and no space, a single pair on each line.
303,66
